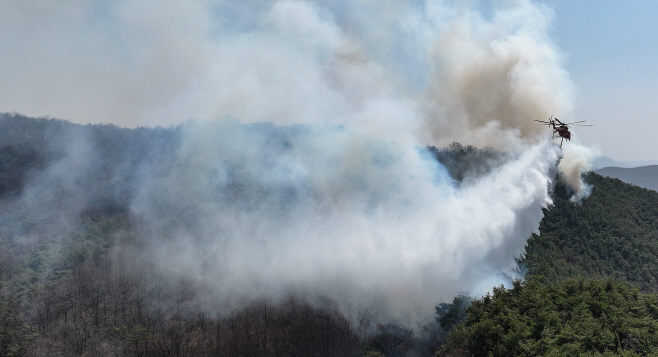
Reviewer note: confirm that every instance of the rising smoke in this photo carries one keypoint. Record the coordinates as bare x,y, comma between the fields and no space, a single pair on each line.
323,211
321,186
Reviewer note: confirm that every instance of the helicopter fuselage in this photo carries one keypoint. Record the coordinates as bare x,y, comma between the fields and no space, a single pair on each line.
562,130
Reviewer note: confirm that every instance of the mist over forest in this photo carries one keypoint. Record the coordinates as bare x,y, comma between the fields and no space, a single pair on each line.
273,215
85,215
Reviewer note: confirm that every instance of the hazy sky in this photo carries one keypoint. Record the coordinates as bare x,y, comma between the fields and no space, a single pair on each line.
97,61
612,48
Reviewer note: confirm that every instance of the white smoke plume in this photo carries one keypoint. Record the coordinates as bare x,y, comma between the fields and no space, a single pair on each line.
577,160
387,68
335,198
326,212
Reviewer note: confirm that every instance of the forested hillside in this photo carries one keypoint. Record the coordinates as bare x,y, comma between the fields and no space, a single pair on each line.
590,286
613,233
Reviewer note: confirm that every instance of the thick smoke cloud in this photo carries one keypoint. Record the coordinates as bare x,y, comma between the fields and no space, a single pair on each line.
577,160
418,72
336,197
386,68
499,73
328,213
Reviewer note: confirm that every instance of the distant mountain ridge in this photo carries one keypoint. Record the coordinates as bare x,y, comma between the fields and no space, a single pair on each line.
643,176
604,161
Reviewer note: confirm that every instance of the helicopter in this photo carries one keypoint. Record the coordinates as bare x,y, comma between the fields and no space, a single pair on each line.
562,129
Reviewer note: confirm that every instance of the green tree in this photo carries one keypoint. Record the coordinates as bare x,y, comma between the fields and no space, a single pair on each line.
612,233
449,315
573,317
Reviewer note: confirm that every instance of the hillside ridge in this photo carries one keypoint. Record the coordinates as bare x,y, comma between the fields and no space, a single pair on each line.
643,176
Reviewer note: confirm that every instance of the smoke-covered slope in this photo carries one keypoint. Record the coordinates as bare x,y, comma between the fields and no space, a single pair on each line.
307,175
217,219
97,232
259,211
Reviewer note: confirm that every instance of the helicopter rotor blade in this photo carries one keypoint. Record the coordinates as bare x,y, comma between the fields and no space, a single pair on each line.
558,120
576,122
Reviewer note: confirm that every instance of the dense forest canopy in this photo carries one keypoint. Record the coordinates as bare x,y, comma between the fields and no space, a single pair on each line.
575,317
66,287
590,286
613,233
